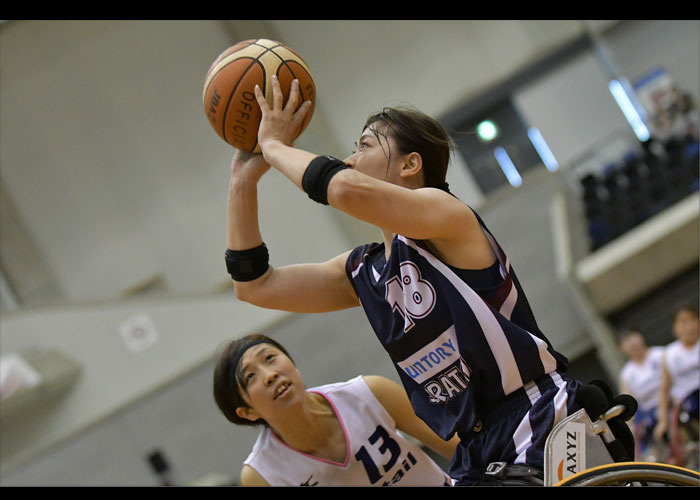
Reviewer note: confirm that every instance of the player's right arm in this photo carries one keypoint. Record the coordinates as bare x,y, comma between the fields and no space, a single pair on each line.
250,477
395,401
303,288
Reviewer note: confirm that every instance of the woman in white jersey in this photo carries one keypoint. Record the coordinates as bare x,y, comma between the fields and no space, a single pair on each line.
439,292
340,434
641,378
681,377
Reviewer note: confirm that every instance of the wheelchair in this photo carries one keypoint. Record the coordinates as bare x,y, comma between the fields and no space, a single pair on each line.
592,451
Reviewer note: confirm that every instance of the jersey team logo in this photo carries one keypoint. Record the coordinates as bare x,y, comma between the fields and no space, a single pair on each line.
439,368
410,295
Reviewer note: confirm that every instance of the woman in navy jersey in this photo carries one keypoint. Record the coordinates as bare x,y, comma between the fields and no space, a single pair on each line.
438,291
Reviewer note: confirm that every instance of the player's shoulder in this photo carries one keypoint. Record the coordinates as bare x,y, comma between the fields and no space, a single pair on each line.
251,477
656,351
356,256
383,389
338,386
376,382
673,347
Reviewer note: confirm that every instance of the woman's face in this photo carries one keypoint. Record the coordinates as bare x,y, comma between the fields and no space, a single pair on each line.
685,327
376,155
633,346
271,383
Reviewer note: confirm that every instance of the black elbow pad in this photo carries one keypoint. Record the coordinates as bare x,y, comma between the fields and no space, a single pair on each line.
247,265
318,175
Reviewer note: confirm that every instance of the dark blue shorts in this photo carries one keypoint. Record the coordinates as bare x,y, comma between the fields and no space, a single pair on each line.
515,432
645,421
690,404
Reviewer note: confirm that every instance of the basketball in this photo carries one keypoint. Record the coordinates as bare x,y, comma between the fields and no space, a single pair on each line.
229,97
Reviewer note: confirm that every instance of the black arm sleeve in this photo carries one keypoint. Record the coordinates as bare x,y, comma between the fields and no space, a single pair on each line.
318,175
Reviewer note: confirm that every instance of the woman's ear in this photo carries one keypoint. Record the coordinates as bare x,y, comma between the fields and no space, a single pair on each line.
412,165
247,413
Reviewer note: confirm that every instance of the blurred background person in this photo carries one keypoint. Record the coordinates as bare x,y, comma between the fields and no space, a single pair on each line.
641,378
678,398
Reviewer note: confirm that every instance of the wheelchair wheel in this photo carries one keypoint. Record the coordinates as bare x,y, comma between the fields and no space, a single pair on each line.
633,474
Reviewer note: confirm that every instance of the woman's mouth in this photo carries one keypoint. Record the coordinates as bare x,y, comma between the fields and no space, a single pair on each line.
282,389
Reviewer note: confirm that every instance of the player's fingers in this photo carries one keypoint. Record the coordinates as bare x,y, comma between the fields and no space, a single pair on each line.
301,113
294,98
299,118
277,97
262,102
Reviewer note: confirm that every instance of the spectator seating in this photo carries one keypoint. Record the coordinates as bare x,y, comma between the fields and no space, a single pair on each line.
624,194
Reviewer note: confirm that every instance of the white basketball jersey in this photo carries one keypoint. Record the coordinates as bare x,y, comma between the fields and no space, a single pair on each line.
643,380
683,364
377,453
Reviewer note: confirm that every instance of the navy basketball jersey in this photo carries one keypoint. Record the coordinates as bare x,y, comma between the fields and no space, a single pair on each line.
461,340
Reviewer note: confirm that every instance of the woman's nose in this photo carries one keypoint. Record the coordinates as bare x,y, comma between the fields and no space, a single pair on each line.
270,376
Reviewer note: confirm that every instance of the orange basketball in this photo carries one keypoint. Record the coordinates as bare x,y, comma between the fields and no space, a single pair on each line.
229,97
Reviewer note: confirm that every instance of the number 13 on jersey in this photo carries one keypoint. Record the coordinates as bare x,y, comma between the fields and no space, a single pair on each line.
383,442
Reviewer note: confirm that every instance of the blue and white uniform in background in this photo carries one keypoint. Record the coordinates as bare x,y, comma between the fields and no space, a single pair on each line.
643,381
468,351
683,365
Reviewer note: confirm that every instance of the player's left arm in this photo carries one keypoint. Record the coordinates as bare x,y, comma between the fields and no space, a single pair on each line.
394,399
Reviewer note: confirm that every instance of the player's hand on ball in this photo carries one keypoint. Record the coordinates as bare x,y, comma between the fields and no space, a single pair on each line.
249,166
282,122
